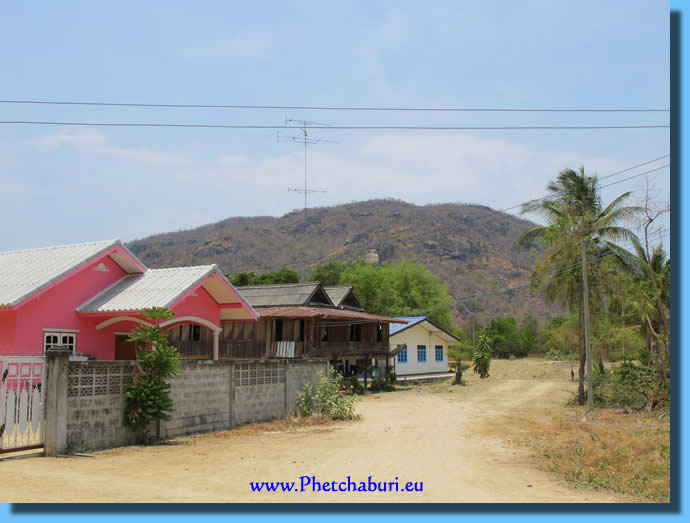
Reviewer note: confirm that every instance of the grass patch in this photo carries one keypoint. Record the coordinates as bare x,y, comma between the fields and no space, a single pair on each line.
624,453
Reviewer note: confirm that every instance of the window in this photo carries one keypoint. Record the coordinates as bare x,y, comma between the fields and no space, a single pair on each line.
56,338
194,332
324,334
379,333
278,336
421,353
354,332
301,330
439,352
402,355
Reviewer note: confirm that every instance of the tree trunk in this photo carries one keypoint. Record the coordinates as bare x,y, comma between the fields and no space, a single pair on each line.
581,356
588,347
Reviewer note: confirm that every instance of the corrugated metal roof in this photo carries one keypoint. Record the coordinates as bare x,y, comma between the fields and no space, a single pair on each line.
337,292
154,288
411,320
430,325
323,312
26,271
278,295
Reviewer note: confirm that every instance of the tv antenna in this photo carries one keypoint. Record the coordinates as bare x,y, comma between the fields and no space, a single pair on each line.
304,139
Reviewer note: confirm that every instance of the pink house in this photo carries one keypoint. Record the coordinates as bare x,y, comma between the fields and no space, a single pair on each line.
89,296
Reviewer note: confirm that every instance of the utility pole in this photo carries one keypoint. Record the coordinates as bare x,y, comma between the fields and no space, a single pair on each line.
305,139
588,346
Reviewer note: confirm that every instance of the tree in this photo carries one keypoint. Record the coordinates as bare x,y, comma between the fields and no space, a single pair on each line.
277,277
406,288
242,279
148,398
506,339
577,221
329,273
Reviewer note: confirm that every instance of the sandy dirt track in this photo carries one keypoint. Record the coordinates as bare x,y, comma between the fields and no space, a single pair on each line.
453,439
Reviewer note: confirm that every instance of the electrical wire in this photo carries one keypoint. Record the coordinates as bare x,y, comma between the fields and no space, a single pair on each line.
337,108
336,127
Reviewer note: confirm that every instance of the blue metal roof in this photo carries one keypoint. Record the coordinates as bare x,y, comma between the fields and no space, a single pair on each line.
411,320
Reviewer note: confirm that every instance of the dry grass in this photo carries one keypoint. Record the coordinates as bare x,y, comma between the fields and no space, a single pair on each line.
291,424
611,450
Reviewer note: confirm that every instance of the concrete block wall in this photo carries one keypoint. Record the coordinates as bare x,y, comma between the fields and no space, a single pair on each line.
259,403
96,422
208,395
203,398
95,404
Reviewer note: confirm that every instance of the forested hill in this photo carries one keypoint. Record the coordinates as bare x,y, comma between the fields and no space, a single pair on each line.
471,247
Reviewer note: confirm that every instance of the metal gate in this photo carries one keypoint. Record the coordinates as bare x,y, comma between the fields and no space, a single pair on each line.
22,402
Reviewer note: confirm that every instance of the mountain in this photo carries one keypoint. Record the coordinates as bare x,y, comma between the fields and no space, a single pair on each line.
471,247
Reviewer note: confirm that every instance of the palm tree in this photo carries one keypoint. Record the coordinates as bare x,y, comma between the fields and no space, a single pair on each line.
577,223
651,271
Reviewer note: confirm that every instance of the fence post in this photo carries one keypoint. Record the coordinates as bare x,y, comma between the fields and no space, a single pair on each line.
57,369
232,394
285,388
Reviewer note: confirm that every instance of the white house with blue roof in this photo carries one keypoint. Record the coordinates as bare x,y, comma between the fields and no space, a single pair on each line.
419,347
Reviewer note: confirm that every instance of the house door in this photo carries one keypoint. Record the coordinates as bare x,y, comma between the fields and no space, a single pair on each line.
124,350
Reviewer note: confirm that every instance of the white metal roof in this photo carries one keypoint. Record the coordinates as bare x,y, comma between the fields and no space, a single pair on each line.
26,271
154,288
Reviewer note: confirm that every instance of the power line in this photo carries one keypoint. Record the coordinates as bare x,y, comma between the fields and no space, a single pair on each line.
338,127
338,108
635,176
602,178
473,221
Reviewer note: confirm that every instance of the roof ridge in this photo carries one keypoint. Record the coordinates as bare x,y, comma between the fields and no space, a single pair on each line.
34,249
183,267
278,285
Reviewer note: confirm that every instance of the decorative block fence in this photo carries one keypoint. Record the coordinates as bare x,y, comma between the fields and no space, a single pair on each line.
208,395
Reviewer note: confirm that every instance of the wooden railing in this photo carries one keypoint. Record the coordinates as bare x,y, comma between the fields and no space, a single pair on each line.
244,349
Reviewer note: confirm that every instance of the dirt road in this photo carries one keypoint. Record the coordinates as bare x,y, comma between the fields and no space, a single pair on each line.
453,439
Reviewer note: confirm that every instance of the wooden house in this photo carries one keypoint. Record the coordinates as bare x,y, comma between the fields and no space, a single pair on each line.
298,321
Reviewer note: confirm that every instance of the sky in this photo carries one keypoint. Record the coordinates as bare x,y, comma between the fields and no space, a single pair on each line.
68,184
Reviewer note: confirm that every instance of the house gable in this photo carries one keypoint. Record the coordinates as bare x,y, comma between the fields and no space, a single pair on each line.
28,273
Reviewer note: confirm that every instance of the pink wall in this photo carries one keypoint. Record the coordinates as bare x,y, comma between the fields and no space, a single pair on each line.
55,309
202,305
7,330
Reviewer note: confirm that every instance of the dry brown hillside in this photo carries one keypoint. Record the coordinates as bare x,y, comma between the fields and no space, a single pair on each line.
471,247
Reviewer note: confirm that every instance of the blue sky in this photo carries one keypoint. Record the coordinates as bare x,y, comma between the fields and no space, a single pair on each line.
61,184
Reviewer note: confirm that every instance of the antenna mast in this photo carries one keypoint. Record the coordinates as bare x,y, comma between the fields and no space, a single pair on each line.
305,139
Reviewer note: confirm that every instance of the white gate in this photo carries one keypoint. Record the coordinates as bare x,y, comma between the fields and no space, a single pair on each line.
22,402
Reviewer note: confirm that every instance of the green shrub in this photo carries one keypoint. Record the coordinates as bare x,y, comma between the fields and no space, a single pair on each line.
637,386
481,357
554,354
328,400
305,400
